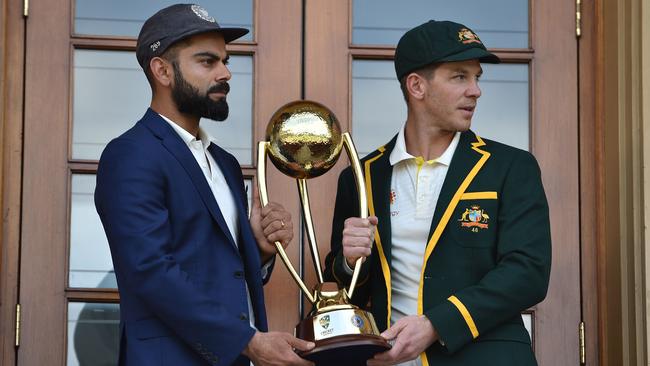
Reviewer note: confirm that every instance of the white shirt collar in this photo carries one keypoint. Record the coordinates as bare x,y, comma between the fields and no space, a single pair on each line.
187,137
399,152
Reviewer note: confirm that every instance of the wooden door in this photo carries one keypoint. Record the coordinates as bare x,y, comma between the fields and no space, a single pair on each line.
294,53
83,88
349,46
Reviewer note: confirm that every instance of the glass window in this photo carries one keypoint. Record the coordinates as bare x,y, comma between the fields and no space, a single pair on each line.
90,257
111,93
499,23
125,17
93,334
379,110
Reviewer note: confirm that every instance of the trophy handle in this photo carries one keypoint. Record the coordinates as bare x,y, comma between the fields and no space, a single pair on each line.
262,149
309,225
363,199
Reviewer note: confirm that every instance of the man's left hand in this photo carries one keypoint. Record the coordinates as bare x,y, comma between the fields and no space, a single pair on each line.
411,335
270,224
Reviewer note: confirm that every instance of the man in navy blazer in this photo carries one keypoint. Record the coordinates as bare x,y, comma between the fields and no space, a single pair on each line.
190,265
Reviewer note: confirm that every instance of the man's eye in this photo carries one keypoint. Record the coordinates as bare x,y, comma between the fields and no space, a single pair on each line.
226,62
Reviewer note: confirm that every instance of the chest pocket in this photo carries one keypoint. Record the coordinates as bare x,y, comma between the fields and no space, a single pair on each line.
474,222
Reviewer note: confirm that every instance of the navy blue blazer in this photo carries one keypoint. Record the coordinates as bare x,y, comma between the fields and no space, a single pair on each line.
182,280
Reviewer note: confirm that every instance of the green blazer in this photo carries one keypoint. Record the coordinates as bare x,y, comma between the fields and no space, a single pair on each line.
488,256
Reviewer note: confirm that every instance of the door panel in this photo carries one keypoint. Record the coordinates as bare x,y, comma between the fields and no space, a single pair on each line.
529,101
84,88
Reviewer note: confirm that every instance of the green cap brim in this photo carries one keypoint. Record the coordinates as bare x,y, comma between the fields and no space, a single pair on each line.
471,54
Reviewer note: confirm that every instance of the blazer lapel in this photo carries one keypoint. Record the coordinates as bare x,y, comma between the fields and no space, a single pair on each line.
378,173
233,179
175,145
465,164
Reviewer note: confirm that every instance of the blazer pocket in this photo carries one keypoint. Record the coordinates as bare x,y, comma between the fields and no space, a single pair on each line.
151,328
473,223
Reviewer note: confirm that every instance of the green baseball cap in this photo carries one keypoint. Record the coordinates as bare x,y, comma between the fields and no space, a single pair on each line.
438,41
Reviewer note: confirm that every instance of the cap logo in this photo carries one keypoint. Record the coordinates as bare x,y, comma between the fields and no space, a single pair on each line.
466,36
154,46
202,13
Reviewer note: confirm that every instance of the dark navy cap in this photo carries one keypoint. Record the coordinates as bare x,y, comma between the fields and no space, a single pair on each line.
438,41
175,23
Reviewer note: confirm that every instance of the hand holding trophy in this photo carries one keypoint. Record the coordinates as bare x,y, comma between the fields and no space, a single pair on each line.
304,140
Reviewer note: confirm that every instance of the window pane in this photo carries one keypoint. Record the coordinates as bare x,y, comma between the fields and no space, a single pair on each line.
111,93
90,257
235,134
93,334
499,23
378,108
125,17
502,113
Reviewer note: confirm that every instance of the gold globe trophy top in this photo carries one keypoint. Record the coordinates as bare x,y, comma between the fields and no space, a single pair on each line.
305,139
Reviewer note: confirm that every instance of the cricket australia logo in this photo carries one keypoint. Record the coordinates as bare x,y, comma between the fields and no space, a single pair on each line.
474,218
324,321
467,36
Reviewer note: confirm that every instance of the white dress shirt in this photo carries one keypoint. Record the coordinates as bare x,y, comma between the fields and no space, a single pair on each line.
415,188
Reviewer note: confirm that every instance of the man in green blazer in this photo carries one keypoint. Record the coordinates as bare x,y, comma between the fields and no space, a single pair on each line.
458,240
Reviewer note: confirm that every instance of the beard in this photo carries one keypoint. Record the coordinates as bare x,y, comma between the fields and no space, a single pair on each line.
189,100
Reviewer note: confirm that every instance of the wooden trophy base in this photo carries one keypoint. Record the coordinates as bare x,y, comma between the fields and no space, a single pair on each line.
343,337
349,350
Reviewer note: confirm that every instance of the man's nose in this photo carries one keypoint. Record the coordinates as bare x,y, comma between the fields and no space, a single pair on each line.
474,91
224,73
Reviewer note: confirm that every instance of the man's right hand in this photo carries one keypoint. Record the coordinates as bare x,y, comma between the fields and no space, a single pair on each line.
277,348
358,236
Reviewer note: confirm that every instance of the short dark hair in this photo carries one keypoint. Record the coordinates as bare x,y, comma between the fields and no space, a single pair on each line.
425,71
170,55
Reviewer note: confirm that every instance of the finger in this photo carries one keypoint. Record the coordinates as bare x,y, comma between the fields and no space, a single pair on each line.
272,206
390,355
275,215
393,331
358,232
354,253
356,222
278,227
373,220
284,237
300,344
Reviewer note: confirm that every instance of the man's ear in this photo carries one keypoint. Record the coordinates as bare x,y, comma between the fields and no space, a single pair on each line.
415,86
162,71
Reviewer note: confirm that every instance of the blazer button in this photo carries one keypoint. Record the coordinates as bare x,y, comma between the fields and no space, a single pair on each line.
239,274
243,316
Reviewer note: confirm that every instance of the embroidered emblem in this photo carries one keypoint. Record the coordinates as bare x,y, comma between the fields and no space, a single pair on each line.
393,196
202,13
467,36
357,321
154,46
474,218
324,321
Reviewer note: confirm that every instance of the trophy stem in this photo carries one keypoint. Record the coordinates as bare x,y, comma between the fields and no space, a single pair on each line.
309,225
264,199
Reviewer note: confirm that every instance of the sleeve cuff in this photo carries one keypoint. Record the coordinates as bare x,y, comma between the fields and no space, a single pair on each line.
454,323
266,268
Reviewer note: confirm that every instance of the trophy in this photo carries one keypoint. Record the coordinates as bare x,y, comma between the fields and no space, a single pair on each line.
304,140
